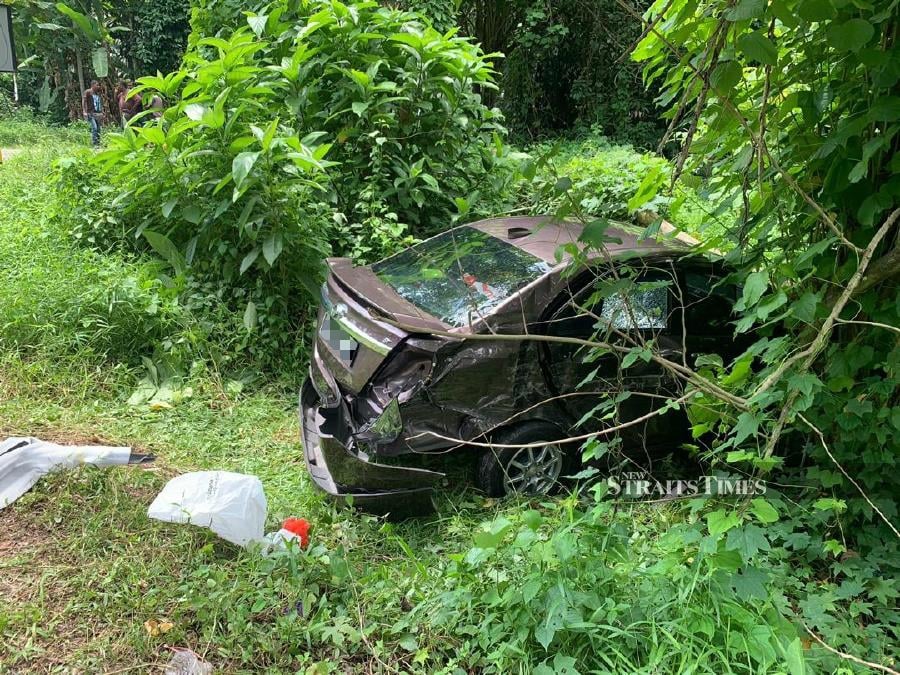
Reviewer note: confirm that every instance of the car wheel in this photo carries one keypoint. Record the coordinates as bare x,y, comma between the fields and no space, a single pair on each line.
529,470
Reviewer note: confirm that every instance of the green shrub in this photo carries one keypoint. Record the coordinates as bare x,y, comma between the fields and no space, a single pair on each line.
7,106
603,175
57,299
26,129
318,128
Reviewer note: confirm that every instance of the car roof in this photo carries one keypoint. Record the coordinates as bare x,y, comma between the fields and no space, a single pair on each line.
541,236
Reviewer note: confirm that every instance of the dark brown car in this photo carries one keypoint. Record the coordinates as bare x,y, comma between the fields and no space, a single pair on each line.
397,370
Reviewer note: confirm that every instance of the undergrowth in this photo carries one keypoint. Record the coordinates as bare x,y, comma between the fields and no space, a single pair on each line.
563,585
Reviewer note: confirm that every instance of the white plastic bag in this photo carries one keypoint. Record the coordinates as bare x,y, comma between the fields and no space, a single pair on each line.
186,662
233,505
24,460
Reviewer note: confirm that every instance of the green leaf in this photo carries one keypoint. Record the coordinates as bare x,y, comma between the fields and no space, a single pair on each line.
793,658
408,642
830,504
754,287
166,249
257,23
491,537
804,307
100,61
594,234
195,111
241,167
532,519
746,426
565,665
850,36
726,75
757,47
750,584
168,206
885,109
86,24
746,9
648,188
250,316
709,360
249,259
272,247
359,107
720,522
192,214
747,540
763,510
817,10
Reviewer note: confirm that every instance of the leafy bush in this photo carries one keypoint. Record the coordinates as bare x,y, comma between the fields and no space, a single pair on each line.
317,128
7,106
604,177
56,299
25,129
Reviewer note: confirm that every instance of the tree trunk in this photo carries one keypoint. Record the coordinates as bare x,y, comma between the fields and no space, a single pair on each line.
79,71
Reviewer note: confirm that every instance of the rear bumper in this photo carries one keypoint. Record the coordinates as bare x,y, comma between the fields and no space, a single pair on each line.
341,472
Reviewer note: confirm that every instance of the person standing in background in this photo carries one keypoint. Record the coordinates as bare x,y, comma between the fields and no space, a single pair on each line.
92,105
129,104
158,106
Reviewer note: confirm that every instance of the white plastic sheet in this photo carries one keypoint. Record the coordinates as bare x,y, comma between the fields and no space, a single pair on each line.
233,505
24,460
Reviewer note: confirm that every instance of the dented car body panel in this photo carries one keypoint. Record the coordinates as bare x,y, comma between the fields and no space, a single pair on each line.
390,378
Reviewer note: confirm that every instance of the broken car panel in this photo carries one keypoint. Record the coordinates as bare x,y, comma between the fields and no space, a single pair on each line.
392,371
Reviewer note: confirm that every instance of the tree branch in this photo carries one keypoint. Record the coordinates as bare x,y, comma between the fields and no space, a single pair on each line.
850,657
809,354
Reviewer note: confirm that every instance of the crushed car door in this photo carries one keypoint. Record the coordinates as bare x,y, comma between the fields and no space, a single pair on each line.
603,389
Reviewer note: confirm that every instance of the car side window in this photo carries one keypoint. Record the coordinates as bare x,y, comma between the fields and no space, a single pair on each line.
580,313
708,303
641,308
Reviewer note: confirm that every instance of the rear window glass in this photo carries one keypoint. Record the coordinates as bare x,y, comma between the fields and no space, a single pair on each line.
460,275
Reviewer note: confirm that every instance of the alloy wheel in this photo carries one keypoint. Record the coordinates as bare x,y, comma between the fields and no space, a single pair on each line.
533,471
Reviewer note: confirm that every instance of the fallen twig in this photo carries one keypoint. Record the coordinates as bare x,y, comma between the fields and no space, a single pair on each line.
850,657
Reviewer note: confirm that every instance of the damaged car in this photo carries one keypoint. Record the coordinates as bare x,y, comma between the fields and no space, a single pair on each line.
421,354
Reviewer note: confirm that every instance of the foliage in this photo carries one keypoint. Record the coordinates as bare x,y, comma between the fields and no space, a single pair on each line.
605,176
813,158
7,106
58,300
281,144
567,66
62,47
790,111
211,18
157,37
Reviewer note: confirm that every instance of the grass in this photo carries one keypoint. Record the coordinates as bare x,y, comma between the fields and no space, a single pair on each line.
549,585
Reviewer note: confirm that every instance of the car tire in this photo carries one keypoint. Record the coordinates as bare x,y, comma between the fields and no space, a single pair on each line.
498,470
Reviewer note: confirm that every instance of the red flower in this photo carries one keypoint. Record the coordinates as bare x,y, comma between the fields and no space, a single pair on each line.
300,527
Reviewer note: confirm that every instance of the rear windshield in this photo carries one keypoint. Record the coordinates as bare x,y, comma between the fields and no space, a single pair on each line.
460,275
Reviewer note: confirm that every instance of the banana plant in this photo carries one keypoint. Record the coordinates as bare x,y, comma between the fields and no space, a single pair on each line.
95,32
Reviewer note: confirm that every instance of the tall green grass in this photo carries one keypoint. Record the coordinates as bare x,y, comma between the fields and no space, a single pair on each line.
56,297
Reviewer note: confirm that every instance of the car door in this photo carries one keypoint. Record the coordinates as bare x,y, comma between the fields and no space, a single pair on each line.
709,300
644,309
